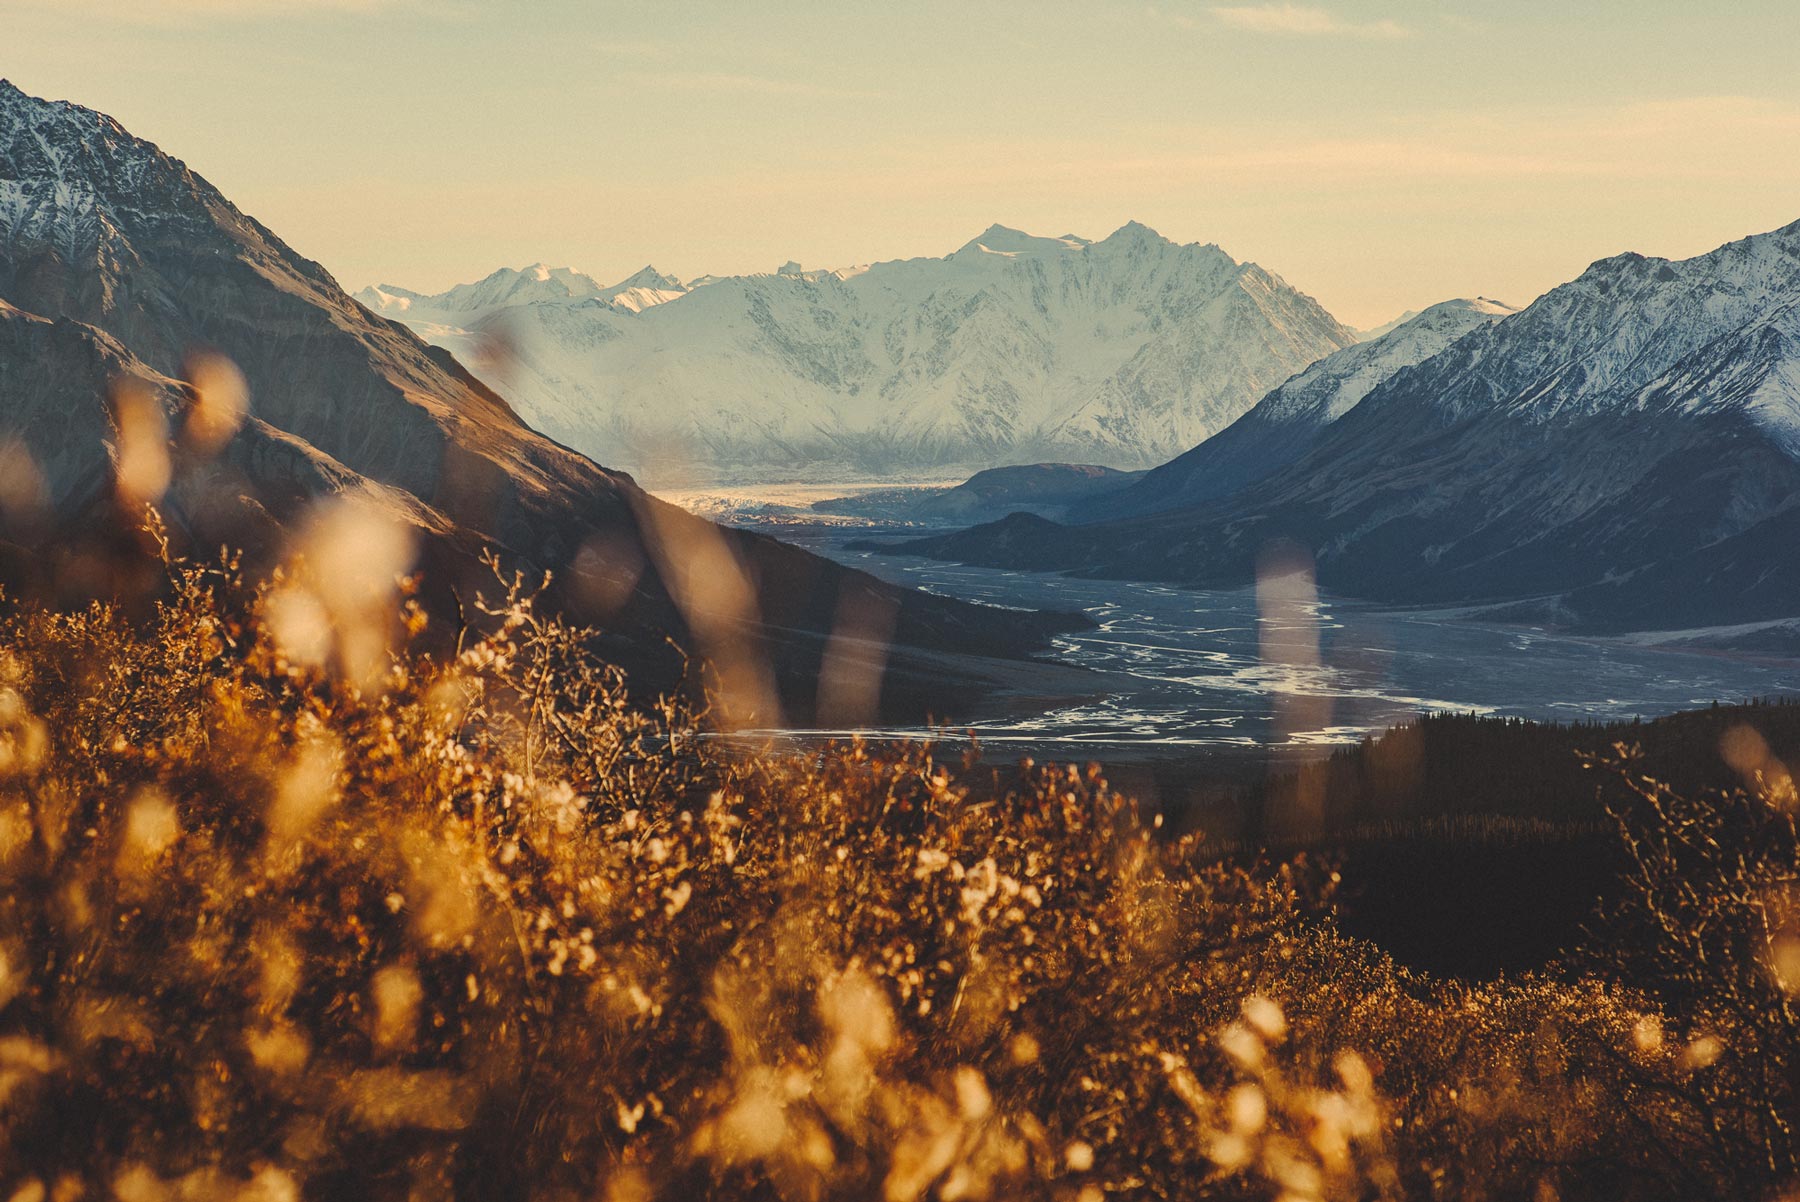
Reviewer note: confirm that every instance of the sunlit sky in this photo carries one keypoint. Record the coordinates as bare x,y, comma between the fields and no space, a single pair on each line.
1379,154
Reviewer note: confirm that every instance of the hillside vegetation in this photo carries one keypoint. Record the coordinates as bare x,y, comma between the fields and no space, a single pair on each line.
291,907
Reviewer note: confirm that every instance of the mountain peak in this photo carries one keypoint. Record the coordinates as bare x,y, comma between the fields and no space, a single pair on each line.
1455,309
387,298
1000,239
648,277
1482,305
506,286
643,289
1444,310
578,283
22,106
15,97
1389,326
1134,231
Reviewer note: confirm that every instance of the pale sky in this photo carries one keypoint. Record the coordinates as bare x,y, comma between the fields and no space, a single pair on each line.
1379,154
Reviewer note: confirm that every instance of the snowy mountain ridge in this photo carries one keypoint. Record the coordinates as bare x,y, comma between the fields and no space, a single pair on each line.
1334,385
1011,349
56,159
1595,343
1286,422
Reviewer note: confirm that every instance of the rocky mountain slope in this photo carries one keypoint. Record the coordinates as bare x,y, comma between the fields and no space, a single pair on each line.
1014,349
1625,452
118,263
1285,423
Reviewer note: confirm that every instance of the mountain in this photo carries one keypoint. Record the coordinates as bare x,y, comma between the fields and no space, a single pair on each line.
1014,349
1375,332
1623,453
1051,489
118,263
642,289
507,287
1285,423
537,284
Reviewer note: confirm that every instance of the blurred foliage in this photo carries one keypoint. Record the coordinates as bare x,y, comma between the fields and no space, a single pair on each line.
478,925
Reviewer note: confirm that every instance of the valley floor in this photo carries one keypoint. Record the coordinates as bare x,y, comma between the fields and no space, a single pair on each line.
1183,672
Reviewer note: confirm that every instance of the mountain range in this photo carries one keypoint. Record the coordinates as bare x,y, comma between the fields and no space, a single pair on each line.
1622,453
118,263
1011,350
1275,432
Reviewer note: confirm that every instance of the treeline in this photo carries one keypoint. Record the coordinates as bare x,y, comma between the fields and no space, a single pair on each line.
1471,844
1471,764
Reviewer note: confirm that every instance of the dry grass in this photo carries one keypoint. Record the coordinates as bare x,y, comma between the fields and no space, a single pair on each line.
281,922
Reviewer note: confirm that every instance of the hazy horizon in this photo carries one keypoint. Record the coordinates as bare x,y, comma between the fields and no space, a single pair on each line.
1380,156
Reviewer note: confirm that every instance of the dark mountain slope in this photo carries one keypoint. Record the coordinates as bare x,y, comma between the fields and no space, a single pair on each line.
1290,420
137,262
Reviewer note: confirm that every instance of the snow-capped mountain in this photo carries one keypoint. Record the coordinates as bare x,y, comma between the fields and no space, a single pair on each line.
117,261
1590,345
1012,349
537,284
1285,423
1375,332
642,289
1623,452
1333,386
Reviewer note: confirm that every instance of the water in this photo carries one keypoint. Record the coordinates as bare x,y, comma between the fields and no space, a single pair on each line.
1211,668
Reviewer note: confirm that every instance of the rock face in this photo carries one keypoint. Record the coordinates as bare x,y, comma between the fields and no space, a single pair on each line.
117,262
1012,350
1623,453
